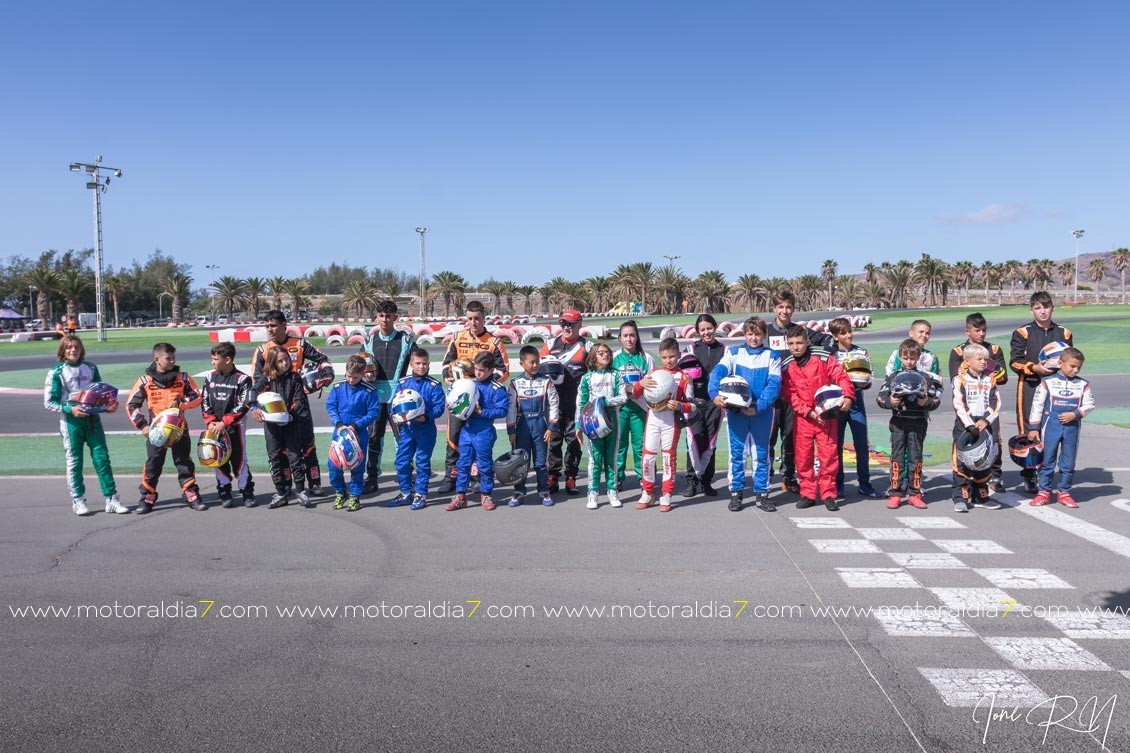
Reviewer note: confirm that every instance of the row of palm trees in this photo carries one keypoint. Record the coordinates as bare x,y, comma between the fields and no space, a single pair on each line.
660,290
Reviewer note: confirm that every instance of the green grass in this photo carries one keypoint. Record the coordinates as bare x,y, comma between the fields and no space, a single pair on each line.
121,375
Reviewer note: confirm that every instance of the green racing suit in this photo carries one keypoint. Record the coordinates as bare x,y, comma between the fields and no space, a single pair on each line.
63,380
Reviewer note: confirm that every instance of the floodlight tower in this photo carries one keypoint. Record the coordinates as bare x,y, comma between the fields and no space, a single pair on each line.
98,184
1078,234
423,279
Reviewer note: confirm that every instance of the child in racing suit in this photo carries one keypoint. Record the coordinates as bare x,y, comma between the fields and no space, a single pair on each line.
976,407
79,425
1058,407
284,441
910,418
416,439
164,386
532,420
633,364
476,440
227,399
601,381
355,403
750,428
664,423
805,371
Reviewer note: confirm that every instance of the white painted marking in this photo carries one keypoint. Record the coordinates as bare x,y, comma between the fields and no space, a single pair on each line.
1022,577
1122,504
891,534
1097,535
820,523
919,523
1092,626
927,561
965,688
922,623
1046,654
971,546
877,577
992,601
844,546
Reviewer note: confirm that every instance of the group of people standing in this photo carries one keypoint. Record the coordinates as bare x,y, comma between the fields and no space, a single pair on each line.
803,390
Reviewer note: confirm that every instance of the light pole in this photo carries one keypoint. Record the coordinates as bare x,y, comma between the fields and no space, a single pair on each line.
160,296
423,279
30,305
98,184
212,268
1078,234
671,259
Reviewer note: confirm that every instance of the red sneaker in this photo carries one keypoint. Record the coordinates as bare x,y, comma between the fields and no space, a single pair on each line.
487,502
916,500
1064,498
458,503
1041,499
893,502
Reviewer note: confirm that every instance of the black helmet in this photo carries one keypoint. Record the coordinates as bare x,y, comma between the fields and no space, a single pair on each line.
553,369
909,384
511,467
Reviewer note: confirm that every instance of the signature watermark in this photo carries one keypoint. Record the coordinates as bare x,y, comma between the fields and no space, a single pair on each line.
1063,712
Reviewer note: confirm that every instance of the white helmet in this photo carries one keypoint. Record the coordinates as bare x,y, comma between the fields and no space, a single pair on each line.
273,407
828,399
596,419
407,405
1051,353
463,398
735,391
659,393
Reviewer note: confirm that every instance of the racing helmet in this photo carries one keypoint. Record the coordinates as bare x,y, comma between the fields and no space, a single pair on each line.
659,393
630,375
996,370
909,384
1051,353
167,427
858,369
667,332
96,398
273,407
596,419
511,467
213,449
370,366
736,392
691,366
828,399
345,449
976,452
315,376
552,368
463,398
1024,452
407,405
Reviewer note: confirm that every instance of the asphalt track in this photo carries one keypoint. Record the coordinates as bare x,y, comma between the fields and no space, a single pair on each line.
533,681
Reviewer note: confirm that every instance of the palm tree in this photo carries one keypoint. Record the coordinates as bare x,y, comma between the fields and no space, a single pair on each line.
807,287
46,281
931,274
256,287
277,286
875,294
361,294
392,288
527,292
898,277
496,289
1121,259
1013,271
710,288
231,292
828,272
871,272
850,292
451,287
598,288
640,276
295,289
1096,270
671,285
510,289
115,285
179,287
1066,271
73,285
962,273
750,290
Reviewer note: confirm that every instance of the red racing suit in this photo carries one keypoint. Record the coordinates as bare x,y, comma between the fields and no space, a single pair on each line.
814,439
661,434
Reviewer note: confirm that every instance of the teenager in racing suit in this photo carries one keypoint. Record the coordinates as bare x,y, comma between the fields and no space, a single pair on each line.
301,352
571,350
633,364
703,425
390,348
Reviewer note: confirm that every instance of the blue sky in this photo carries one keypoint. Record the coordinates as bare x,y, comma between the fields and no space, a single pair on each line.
545,138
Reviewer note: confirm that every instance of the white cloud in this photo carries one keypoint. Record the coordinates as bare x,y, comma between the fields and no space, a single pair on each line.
990,214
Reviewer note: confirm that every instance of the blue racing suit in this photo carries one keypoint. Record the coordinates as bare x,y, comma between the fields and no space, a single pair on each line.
356,406
534,409
476,440
856,420
1055,396
761,368
417,439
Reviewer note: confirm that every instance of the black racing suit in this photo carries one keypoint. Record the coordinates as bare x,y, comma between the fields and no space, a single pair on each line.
704,423
391,357
228,398
285,450
1024,353
909,423
572,355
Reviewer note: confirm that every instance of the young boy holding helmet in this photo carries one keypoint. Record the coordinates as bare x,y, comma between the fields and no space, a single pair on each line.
415,406
910,395
745,384
976,407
